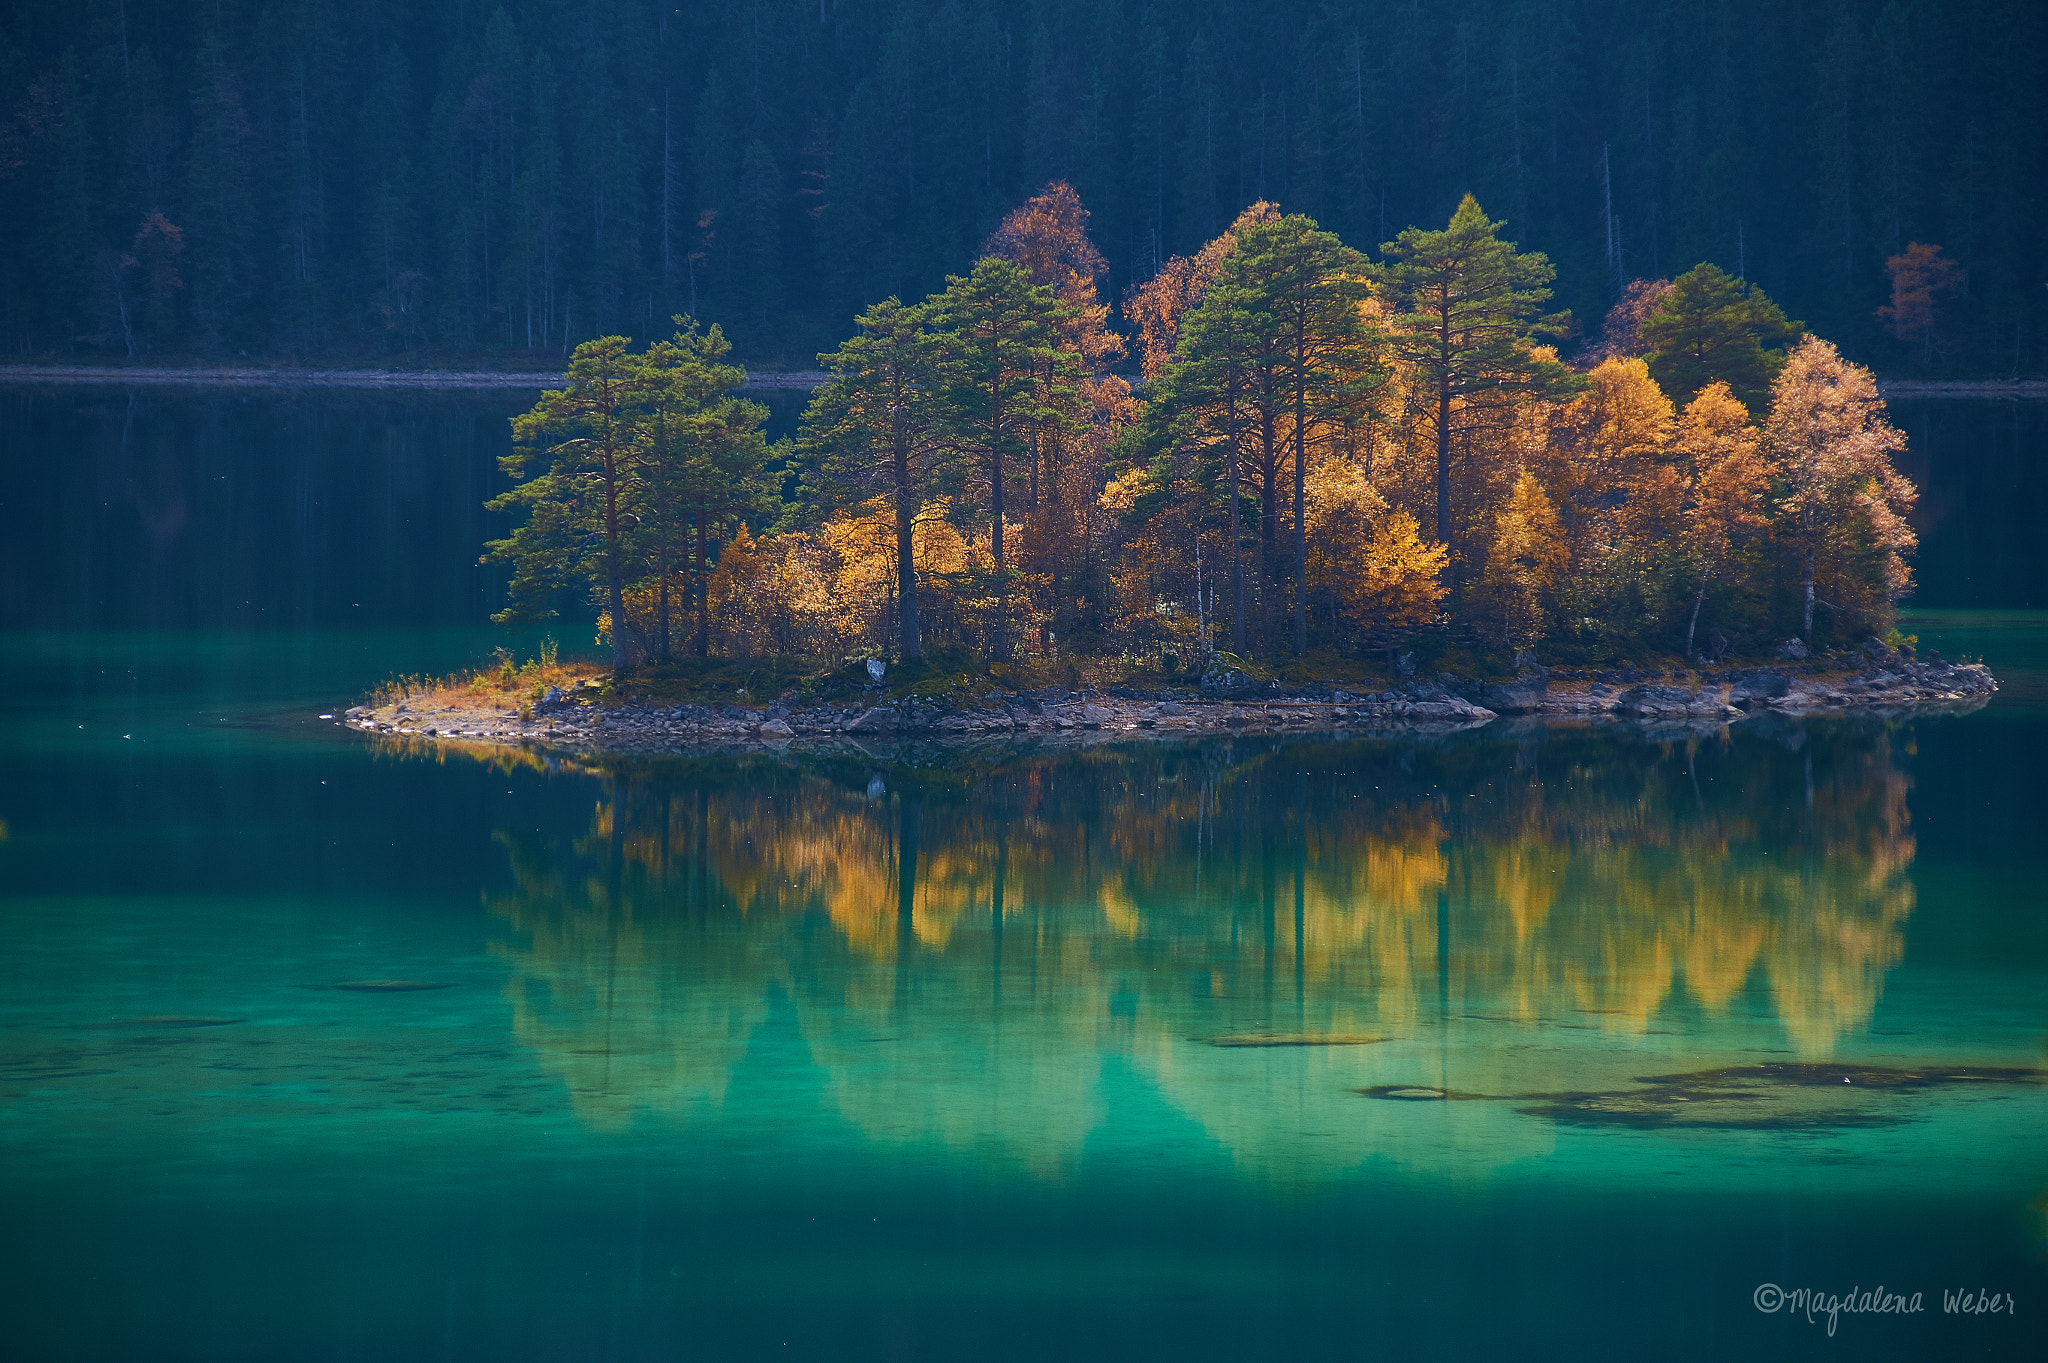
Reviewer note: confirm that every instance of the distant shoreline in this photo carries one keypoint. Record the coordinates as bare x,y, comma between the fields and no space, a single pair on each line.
795,381
423,379
1963,388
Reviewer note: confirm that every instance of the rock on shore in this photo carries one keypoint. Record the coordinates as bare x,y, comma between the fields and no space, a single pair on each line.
1079,716
1445,705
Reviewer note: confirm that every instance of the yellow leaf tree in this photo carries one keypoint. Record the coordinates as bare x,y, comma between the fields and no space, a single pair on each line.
1721,458
1525,563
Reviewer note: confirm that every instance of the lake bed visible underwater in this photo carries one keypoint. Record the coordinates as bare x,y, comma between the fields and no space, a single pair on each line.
1563,1040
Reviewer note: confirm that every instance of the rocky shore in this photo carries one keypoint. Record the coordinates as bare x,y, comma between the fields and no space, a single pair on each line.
578,721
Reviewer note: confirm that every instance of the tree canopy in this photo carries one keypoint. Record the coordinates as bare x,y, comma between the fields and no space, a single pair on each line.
972,476
1708,327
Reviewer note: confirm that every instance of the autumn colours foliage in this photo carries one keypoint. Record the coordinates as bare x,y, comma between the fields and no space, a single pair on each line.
1323,455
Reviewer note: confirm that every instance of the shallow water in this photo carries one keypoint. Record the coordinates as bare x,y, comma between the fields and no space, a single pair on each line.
1530,1034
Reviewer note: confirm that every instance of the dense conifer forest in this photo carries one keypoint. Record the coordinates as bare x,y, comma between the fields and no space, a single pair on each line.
312,181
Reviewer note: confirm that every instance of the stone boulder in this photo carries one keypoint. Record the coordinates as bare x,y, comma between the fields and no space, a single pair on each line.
1524,695
1756,687
1669,702
880,720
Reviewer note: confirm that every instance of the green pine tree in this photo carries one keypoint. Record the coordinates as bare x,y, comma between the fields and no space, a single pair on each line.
881,426
1711,326
1001,342
587,496
703,453
1301,287
1468,305
754,239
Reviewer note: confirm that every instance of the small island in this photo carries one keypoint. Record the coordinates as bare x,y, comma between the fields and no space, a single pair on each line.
1335,492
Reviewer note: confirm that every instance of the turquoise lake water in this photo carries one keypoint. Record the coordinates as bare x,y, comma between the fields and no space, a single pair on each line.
863,1059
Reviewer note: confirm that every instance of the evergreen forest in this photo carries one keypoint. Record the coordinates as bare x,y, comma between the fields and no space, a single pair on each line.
305,181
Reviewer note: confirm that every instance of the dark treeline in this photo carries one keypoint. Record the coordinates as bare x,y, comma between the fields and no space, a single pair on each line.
307,179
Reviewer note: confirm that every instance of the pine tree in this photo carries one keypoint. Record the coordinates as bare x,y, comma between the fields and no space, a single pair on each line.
587,496
753,237
880,426
702,457
1200,352
1467,305
1303,288
220,193
1001,332
1709,326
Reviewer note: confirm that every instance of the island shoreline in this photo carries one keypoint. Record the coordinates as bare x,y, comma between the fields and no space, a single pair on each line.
578,723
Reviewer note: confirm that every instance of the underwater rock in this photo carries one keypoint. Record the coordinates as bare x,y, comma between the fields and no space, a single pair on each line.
390,986
130,1024
1773,1097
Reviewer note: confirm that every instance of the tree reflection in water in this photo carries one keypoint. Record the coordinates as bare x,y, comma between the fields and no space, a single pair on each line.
964,945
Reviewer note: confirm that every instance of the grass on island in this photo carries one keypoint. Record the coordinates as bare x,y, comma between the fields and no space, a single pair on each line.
503,684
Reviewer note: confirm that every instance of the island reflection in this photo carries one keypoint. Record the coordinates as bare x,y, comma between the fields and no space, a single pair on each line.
963,946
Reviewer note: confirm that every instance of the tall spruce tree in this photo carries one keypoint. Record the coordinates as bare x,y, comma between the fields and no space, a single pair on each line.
588,495
1303,289
702,457
880,426
1468,308
1001,332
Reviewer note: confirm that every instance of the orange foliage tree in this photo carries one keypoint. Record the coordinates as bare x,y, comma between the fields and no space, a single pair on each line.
1921,277
1842,503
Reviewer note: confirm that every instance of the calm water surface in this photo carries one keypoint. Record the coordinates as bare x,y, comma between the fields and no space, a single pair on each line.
900,1059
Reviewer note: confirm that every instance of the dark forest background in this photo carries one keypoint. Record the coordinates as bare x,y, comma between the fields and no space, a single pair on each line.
315,180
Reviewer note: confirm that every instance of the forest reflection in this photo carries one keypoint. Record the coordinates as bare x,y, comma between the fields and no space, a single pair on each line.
962,947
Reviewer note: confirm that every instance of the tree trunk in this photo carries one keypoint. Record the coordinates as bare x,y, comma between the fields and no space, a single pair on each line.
1693,623
1300,505
664,608
1806,618
1001,649
1236,535
1443,467
906,565
703,644
1269,512
615,585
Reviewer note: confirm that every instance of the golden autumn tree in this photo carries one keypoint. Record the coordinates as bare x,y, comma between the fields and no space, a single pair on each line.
1368,560
1048,237
1621,335
1720,456
1159,305
1842,503
1525,563
1606,469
